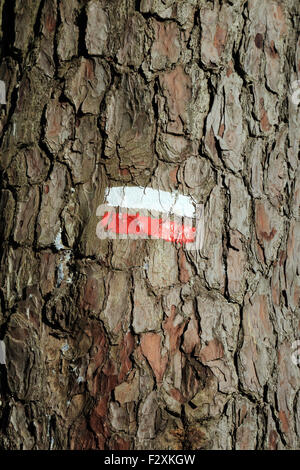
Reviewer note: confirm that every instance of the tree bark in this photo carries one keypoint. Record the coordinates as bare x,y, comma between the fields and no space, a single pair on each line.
142,344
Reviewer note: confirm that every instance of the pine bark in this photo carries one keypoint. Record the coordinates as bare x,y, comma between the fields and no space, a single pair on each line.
141,344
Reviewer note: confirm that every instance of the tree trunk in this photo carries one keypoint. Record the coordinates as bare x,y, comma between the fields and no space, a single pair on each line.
144,344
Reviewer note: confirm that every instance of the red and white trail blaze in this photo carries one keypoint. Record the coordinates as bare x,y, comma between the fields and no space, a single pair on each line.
123,214
168,230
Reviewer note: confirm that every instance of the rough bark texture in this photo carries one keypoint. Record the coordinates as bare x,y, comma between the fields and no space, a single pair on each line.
140,344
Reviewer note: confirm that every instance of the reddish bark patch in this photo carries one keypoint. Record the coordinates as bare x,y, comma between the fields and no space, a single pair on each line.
173,175
165,43
263,223
19,334
24,90
282,257
151,349
96,423
264,120
229,69
177,395
184,274
50,23
275,294
54,125
220,39
101,408
284,421
98,354
214,350
90,297
273,51
259,41
269,236
47,272
174,331
221,130
89,70
110,378
280,19
177,87
191,337
196,438
273,439
118,443
264,313
82,438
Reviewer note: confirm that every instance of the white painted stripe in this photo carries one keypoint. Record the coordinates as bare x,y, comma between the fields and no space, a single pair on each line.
2,353
2,92
136,197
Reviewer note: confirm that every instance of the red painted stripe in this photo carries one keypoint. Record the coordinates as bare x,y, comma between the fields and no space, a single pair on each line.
145,225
